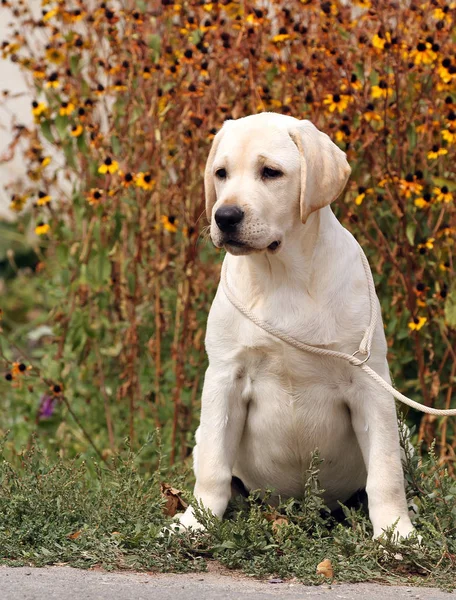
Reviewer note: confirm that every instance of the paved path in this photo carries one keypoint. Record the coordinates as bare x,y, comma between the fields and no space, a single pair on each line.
65,583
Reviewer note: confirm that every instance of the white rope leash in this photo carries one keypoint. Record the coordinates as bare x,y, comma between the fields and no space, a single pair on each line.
364,347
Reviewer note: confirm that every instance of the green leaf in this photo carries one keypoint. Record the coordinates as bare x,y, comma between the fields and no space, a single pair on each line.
46,130
410,231
115,144
81,143
61,124
411,135
450,307
74,63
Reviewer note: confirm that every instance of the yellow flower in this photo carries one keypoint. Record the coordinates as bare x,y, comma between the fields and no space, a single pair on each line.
448,136
423,201
409,186
39,74
53,81
119,86
424,54
337,102
43,199
427,245
417,323
108,166
94,197
49,14
436,152
380,41
281,37
66,108
45,161
76,130
38,108
127,179
381,90
42,229
443,194
144,181
362,193
17,203
169,223
54,55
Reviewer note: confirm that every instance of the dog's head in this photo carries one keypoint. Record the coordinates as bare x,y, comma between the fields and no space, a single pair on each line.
265,173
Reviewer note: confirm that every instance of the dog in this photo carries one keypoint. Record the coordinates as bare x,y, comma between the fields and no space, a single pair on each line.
266,406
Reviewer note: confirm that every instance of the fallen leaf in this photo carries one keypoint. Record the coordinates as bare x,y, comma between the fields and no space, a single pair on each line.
276,519
174,501
74,536
325,568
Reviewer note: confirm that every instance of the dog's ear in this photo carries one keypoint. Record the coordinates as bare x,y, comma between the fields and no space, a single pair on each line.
324,168
209,186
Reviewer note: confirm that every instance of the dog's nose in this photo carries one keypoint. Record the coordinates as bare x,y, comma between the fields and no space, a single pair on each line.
227,217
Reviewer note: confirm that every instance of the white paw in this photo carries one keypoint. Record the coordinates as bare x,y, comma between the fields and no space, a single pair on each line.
403,529
184,522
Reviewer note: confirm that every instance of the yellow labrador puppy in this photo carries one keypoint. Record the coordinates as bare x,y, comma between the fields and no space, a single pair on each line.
267,406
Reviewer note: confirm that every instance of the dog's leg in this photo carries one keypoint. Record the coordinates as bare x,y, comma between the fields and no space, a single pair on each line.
223,413
375,424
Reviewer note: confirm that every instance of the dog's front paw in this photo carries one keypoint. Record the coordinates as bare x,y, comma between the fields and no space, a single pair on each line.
403,529
184,522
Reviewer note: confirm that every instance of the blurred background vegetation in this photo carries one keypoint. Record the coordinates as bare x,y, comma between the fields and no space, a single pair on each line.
107,274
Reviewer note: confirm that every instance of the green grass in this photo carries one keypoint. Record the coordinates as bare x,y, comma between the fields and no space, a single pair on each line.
82,513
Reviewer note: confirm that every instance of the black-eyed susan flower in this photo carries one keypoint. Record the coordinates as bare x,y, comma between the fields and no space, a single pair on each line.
38,109
127,179
144,181
355,83
370,114
381,90
424,54
108,166
362,193
443,14
409,186
423,201
42,228
66,108
39,73
443,194
169,223
380,40
428,244
95,196
76,130
448,135
100,90
417,323
444,266
436,151
146,74
119,86
280,38
446,70
337,102
49,14
54,55
43,199
17,203
53,81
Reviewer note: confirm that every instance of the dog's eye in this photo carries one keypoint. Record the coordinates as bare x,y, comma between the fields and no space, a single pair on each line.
221,173
269,173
